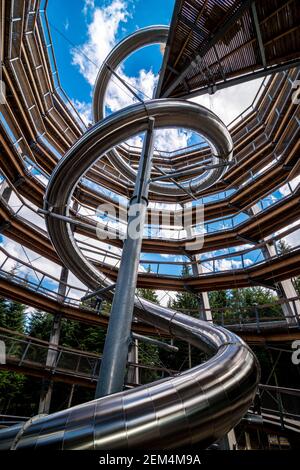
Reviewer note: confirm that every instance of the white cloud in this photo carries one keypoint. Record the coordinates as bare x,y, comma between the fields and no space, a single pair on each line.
88,4
118,97
230,102
294,238
103,31
37,266
285,190
28,212
135,141
164,297
171,139
25,255
224,264
84,111
173,258
67,24
104,26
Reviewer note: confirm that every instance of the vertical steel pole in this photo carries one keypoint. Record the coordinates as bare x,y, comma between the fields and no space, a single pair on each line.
115,353
202,298
47,388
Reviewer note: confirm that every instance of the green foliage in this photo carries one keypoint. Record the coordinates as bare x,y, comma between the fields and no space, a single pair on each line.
11,388
20,395
39,325
185,301
237,303
283,248
148,355
242,302
233,304
73,334
148,294
218,299
94,303
12,315
2,311
10,384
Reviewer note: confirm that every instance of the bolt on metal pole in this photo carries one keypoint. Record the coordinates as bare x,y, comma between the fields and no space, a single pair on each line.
115,353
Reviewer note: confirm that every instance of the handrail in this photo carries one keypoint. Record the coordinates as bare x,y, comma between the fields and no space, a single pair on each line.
238,307
258,95
260,173
155,232
238,257
61,352
236,310
283,390
50,50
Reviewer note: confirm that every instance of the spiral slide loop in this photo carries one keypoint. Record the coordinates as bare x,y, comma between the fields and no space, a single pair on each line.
199,405
141,38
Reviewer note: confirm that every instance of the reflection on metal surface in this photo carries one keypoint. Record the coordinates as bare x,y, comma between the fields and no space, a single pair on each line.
197,406
141,38
103,136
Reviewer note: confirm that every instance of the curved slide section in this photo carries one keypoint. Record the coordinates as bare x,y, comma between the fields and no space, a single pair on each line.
141,38
199,405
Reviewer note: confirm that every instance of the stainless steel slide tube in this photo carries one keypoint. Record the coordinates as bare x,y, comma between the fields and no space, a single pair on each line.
96,142
141,38
199,405
115,353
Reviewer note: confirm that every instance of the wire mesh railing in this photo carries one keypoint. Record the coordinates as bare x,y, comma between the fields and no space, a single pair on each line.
26,352
278,406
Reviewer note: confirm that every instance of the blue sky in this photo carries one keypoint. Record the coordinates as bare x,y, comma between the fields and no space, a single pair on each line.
70,21
85,31
94,27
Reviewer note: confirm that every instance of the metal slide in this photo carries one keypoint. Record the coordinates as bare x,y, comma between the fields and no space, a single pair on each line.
141,38
197,406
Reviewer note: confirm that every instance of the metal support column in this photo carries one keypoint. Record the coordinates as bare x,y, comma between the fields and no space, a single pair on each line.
113,364
202,297
285,289
71,395
47,388
228,442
